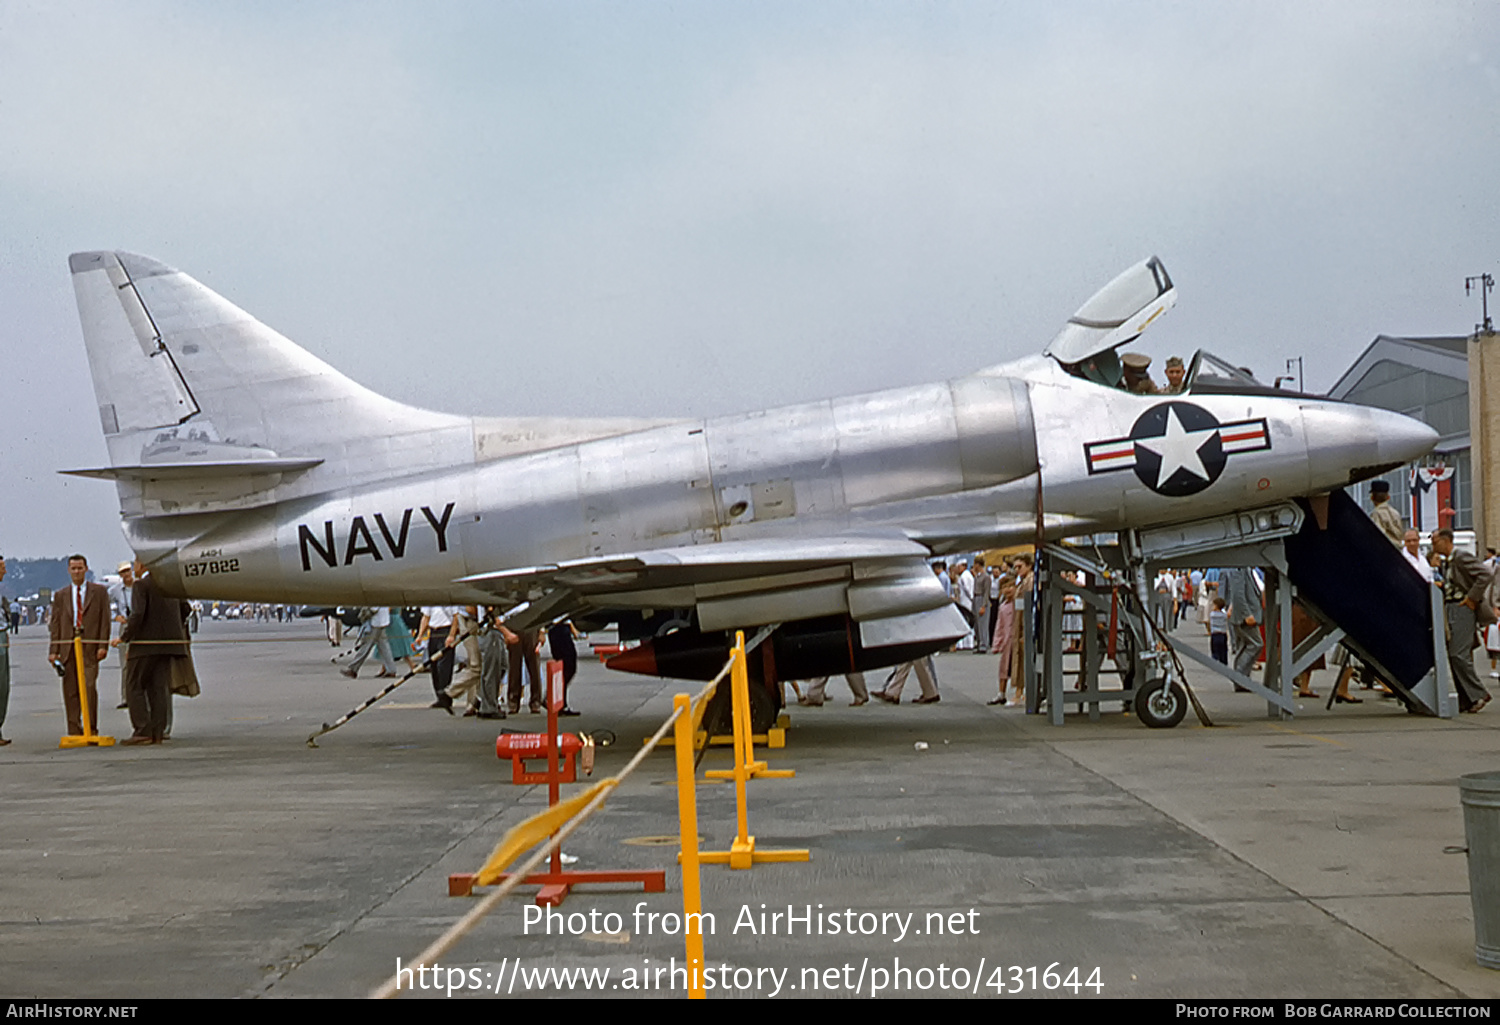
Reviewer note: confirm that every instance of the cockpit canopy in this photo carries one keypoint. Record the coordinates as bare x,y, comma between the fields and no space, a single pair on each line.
1115,315
1089,344
1206,374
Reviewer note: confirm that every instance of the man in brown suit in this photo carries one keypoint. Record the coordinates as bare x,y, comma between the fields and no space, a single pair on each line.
157,633
79,610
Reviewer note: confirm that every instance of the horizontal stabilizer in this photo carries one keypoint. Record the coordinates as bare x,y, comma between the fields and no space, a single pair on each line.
197,471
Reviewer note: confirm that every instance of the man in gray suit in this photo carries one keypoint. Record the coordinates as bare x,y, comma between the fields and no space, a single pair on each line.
1244,617
1465,580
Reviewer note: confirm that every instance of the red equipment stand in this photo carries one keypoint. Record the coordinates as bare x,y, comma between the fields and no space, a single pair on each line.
556,883
521,748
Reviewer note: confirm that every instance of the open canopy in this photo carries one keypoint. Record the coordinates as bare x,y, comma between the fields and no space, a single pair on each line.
1116,314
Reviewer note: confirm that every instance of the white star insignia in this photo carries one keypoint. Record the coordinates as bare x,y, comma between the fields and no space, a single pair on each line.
1178,449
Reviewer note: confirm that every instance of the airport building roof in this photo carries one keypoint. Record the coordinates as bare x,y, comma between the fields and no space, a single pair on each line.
1427,378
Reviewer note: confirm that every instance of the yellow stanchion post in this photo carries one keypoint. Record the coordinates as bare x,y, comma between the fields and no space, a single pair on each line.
775,737
742,852
687,815
89,738
744,740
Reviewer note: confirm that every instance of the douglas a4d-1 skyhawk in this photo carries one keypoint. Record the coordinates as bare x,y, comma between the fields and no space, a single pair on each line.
248,469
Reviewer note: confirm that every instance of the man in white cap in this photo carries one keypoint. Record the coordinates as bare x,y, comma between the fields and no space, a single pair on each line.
963,597
119,608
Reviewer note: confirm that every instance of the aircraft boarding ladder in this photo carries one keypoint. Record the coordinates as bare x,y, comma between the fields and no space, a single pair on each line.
1324,552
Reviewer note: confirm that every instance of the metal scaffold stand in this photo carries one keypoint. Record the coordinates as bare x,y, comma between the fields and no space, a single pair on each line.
1094,640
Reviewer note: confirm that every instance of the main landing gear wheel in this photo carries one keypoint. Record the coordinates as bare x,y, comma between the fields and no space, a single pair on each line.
764,709
1161,704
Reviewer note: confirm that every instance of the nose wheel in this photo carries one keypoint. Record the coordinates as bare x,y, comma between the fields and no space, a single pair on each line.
1161,703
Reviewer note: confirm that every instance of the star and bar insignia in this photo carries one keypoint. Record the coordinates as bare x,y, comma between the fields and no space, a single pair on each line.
1177,448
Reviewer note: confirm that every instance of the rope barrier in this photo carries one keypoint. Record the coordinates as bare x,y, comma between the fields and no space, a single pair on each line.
508,844
424,667
21,642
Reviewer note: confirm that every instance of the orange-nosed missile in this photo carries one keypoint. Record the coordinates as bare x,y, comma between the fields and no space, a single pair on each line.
640,659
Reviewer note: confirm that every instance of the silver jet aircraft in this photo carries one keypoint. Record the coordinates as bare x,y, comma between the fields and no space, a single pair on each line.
248,469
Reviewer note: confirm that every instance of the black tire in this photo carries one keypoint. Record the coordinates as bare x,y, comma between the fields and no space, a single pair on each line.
764,709
1160,705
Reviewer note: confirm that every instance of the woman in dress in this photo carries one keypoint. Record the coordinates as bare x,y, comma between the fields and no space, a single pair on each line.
1003,640
399,636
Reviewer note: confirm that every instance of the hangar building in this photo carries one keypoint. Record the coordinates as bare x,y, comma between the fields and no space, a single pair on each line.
1425,378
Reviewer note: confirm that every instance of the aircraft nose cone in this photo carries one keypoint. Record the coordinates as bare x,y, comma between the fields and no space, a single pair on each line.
1401,439
1347,443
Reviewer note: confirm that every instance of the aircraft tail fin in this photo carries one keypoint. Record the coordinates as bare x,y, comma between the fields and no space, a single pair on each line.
204,407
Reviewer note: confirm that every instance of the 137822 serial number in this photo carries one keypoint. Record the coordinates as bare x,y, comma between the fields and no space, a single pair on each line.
203,569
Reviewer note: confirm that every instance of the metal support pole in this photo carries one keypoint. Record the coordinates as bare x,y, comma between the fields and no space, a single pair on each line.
687,816
1026,638
89,738
742,852
744,844
83,690
1147,659
1442,671
1270,624
1052,645
1278,625
554,790
1285,654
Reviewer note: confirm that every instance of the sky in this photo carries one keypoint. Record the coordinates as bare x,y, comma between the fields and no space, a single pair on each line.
685,209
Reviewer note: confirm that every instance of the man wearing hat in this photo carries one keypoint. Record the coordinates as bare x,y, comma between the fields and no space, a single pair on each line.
160,623
1465,581
1137,377
1176,376
4,655
1385,516
119,606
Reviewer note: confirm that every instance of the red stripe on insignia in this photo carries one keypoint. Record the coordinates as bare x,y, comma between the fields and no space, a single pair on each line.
1257,433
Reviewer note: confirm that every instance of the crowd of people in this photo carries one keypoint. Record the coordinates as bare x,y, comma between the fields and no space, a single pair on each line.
152,632
84,621
1471,602
986,596
494,658
1227,604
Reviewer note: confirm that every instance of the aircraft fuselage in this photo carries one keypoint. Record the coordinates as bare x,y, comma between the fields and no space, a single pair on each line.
954,465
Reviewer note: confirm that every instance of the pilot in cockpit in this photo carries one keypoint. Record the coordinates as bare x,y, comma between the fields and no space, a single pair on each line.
1137,378
1090,343
1176,376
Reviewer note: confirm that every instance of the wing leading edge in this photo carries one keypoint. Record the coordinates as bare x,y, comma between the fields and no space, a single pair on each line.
882,583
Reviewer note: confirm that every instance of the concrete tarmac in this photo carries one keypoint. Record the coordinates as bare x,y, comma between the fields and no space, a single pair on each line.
1259,858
